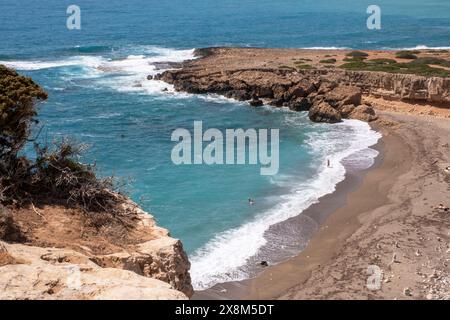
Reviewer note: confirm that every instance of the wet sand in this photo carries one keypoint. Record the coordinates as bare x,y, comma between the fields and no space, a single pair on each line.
383,216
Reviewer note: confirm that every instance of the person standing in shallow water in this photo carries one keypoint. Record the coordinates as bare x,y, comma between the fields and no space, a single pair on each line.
328,163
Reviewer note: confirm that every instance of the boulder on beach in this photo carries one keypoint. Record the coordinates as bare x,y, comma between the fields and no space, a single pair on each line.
323,112
344,95
346,110
364,113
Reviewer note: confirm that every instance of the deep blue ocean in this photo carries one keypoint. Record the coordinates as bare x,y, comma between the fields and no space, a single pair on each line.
99,95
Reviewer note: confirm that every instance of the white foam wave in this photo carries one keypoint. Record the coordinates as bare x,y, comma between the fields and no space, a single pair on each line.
130,74
85,61
421,47
327,48
35,65
127,74
222,258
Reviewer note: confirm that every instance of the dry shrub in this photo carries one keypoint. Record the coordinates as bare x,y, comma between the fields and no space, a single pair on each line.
56,172
9,231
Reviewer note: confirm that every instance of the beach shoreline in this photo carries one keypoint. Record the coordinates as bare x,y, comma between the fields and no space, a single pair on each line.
364,221
392,213
304,222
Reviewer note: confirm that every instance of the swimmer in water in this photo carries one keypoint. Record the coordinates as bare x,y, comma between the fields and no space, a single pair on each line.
251,201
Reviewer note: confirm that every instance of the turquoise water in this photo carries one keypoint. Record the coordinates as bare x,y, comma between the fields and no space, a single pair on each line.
96,78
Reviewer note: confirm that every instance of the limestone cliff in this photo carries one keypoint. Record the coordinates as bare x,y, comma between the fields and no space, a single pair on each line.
390,85
328,92
62,256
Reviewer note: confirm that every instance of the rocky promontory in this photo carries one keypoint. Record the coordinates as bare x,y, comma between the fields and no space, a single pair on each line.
309,80
54,252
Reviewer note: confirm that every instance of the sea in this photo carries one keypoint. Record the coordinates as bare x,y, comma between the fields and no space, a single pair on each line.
99,95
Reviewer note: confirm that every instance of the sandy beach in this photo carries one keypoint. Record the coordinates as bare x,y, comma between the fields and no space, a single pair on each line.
387,219
391,219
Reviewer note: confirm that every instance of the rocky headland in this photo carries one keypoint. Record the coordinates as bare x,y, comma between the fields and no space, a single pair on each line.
396,218
322,82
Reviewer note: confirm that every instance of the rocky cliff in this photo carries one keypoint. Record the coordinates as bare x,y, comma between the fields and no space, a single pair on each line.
329,94
63,254
407,87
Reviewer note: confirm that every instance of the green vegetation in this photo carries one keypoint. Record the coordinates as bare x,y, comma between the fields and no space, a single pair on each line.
304,59
418,67
383,61
357,54
17,110
303,66
438,51
54,174
433,60
328,61
355,59
406,54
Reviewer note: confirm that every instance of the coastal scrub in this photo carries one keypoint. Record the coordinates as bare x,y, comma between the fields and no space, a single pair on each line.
54,173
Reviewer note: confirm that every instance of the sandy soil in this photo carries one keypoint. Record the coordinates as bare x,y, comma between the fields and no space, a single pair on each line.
91,232
391,221
238,58
387,218
407,107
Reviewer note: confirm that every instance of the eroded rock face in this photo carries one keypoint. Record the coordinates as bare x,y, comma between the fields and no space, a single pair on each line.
50,273
280,88
324,113
344,95
399,86
301,90
363,113
149,265
346,110
162,259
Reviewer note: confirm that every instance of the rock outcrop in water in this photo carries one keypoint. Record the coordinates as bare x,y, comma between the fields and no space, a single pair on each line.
323,99
328,94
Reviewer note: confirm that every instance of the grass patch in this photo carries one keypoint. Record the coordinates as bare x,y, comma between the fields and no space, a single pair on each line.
328,61
432,60
405,54
418,67
438,51
357,54
304,66
382,61
354,59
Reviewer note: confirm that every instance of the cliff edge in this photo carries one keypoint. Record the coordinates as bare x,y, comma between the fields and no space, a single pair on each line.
330,84
55,252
